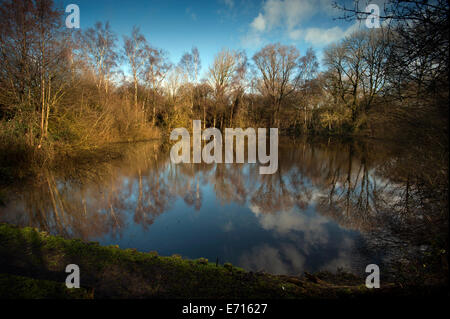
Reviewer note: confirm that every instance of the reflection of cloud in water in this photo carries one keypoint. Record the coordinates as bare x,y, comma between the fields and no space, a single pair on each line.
316,195
284,260
285,223
309,235
344,258
321,193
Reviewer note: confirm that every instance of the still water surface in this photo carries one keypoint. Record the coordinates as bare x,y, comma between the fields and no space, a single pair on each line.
312,214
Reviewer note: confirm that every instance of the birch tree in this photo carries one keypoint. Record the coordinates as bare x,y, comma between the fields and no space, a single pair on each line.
156,69
98,48
136,50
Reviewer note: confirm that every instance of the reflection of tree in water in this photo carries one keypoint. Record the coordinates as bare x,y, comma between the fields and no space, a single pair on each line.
272,194
65,209
154,197
230,183
88,201
391,198
385,193
349,191
185,181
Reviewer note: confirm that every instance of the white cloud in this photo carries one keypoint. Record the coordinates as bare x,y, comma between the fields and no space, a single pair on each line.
323,37
252,40
259,23
298,10
287,13
273,12
296,34
319,36
290,16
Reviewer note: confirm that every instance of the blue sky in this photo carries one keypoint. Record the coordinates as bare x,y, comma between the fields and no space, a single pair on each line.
176,26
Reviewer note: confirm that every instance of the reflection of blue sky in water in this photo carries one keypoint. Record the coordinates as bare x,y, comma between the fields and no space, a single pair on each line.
287,242
303,241
286,223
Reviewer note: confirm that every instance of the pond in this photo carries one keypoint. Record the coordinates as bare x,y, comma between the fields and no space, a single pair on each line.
317,212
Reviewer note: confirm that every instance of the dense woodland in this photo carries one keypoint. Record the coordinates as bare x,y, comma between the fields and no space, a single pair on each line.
65,89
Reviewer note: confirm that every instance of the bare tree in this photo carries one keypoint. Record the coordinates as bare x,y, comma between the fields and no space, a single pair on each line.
34,51
156,69
190,65
97,46
221,75
173,83
238,83
308,85
204,92
136,51
280,74
421,46
357,69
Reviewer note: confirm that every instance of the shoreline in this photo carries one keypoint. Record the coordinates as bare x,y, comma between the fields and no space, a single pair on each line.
34,259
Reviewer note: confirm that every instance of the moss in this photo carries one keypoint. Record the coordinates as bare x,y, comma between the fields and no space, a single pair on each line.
127,273
153,253
202,261
19,287
228,266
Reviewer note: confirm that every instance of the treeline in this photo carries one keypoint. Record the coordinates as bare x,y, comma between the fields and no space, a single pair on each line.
58,87
69,89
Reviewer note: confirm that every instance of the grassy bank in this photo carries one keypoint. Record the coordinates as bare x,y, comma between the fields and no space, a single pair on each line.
32,265
19,287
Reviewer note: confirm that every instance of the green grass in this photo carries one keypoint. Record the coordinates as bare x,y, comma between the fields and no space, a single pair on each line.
111,272
19,287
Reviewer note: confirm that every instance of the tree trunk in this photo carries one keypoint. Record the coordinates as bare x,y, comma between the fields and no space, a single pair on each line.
204,117
135,92
154,115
